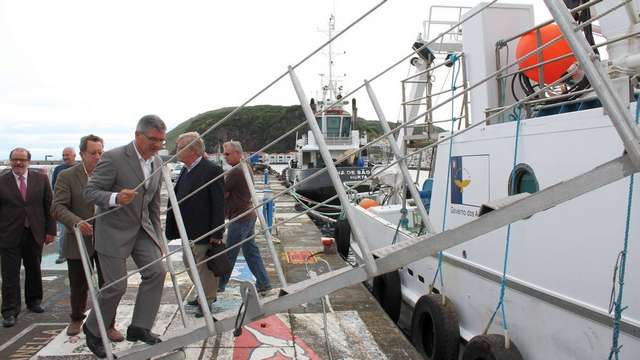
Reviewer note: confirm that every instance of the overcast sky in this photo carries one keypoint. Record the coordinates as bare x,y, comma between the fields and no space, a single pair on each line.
69,68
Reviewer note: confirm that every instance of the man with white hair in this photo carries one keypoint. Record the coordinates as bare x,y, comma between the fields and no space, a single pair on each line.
202,212
68,160
237,201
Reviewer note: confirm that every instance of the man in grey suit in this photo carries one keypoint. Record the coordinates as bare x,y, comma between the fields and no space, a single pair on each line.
134,229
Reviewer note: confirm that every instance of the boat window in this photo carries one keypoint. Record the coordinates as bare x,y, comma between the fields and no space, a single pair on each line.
333,126
345,130
319,120
523,180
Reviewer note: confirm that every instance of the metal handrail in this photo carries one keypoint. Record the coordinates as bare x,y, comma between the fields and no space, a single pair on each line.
503,43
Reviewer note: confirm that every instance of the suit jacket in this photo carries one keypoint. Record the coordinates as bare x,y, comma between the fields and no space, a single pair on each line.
69,207
204,211
115,233
14,210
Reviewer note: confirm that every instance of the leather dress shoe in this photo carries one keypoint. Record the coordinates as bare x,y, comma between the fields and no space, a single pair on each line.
74,327
9,321
193,302
114,335
135,333
36,308
94,343
199,313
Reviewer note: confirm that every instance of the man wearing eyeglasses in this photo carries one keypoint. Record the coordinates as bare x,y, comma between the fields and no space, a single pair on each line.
25,225
126,188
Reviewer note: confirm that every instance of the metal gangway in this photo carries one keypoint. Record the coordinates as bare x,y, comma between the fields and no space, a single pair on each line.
392,257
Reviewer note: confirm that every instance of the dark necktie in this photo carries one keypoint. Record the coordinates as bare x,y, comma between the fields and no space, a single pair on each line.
23,188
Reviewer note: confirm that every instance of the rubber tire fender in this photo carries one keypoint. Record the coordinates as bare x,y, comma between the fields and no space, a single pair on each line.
435,331
342,234
490,347
387,290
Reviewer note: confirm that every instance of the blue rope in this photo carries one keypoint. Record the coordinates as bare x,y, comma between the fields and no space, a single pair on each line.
454,78
404,222
615,347
515,116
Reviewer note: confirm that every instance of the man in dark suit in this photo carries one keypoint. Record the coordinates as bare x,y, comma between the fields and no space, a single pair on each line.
25,224
133,229
202,212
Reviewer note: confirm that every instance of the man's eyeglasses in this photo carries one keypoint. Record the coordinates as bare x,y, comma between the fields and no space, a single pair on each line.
155,140
19,160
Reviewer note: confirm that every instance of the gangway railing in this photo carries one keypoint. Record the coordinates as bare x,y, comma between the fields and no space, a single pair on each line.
377,262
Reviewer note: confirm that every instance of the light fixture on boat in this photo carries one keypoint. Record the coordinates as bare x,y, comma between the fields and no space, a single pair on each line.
312,104
423,52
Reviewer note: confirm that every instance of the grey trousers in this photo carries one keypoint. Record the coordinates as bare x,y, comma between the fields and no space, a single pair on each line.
149,292
208,279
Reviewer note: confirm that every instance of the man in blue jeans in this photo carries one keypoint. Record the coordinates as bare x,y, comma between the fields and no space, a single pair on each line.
237,201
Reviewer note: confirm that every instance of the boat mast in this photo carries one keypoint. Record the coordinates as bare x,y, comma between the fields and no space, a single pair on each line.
332,25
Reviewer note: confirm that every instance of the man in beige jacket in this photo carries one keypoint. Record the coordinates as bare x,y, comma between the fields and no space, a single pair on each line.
70,207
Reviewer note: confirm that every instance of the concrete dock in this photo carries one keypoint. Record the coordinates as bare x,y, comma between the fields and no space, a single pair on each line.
356,325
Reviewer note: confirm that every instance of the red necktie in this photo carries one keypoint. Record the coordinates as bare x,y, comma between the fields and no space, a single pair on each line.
23,188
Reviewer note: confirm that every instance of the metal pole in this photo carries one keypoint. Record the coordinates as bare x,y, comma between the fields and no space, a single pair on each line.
419,167
369,262
402,163
174,280
86,265
599,80
202,299
539,56
263,224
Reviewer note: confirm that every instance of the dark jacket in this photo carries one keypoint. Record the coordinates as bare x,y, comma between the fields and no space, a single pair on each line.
13,209
204,211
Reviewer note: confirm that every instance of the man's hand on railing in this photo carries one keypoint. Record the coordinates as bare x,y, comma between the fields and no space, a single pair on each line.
86,229
125,196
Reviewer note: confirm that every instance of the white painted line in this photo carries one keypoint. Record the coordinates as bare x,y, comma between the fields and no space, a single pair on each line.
25,331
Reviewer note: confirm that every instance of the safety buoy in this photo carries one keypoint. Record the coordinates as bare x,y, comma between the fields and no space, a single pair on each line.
434,328
342,234
490,346
386,289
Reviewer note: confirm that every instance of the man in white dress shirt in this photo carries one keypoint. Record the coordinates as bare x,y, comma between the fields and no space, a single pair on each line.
133,229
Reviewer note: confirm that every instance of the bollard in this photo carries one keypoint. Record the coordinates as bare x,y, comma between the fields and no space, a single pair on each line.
267,208
329,245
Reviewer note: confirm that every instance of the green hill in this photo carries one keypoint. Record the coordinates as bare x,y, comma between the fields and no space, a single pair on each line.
255,127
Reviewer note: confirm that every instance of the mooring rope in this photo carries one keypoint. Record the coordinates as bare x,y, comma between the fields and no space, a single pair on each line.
455,69
615,341
516,116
